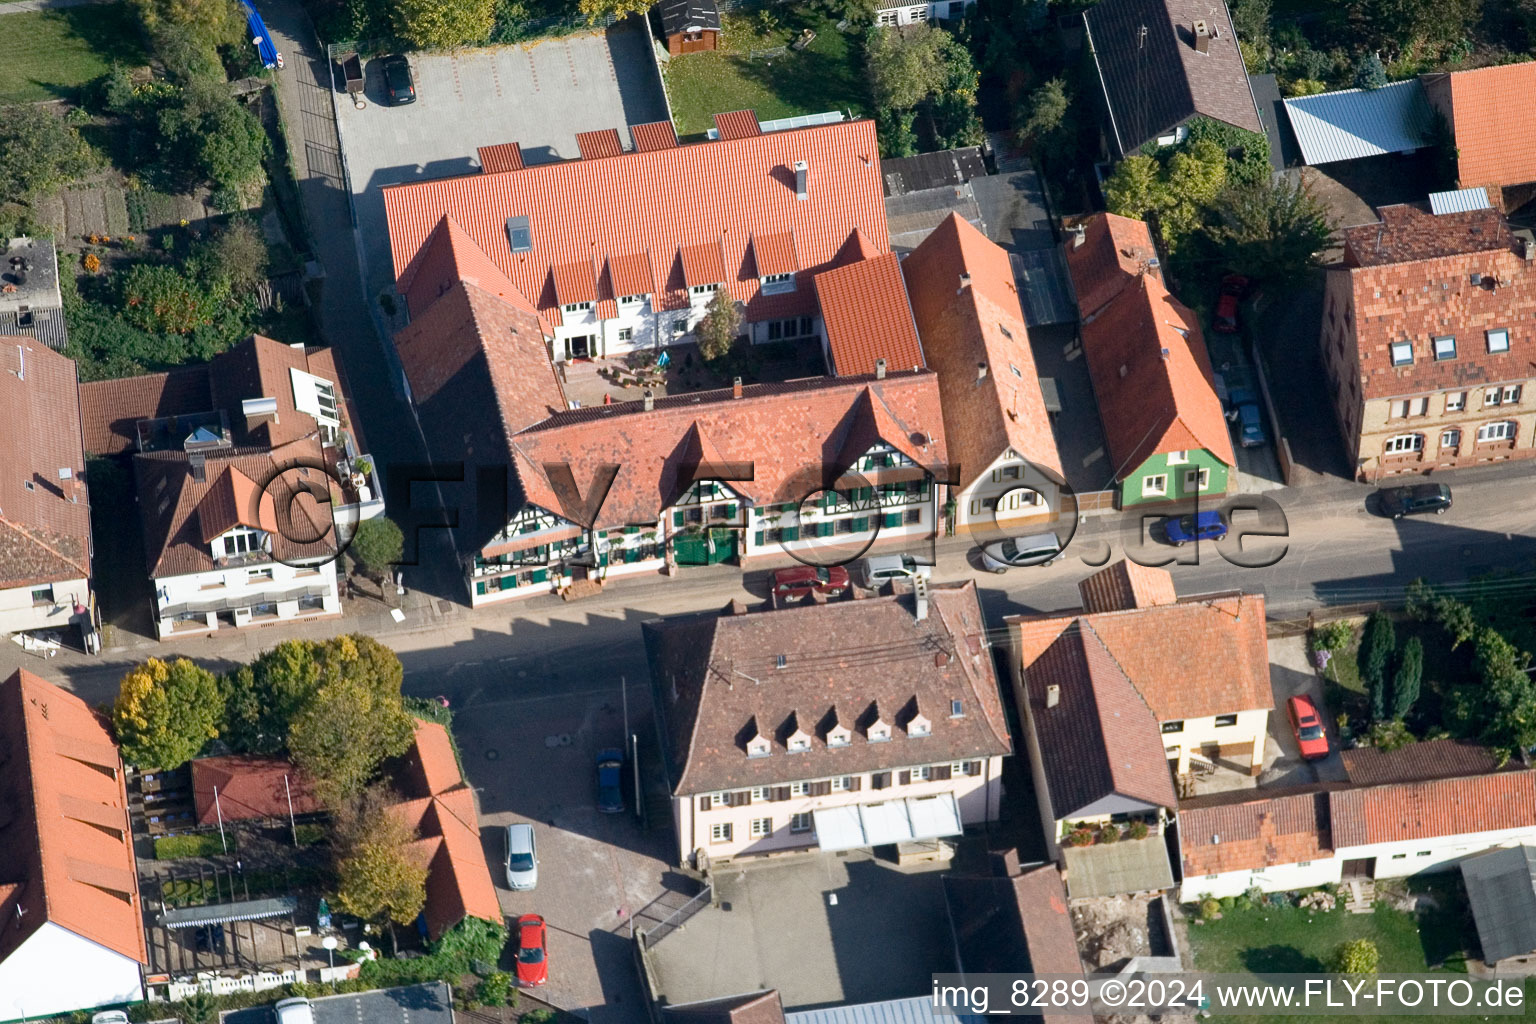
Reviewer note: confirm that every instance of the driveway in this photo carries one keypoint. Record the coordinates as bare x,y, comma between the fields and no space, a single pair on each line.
1291,675
416,1004
539,96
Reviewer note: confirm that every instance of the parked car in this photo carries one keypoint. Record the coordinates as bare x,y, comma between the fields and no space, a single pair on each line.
799,581
522,857
1011,552
398,82
532,957
109,1017
1308,727
1415,500
1233,287
610,767
294,1011
877,570
1250,417
1180,530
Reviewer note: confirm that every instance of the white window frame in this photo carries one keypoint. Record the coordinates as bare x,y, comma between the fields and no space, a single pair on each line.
1178,458
1492,397
760,828
802,822
1154,486
1402,443
1498,339
1202,475
626,334
1440,343
576,307
776,284
922,773
1454,436
1401,353
1456,402
799,789
1511,395
840,783
704,289
760,793
1500,430
720,832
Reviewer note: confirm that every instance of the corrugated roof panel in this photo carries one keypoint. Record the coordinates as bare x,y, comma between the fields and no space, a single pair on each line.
1460,201
1355,123
916,1010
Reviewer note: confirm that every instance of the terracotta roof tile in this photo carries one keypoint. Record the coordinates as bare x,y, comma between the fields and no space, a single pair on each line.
962,327
1418,285
1126,584
507,156
449,256
738,124
1113,253
63,784
867,316
1152,376
1489,112
751,1008
707,705
575,282
1417,762
45,522
653,136
569,206
1153,76
430,765
1426,810
702,264
774,253
631,275
248,786
598,144
1254,834
111,409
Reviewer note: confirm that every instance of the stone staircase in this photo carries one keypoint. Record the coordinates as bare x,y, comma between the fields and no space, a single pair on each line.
1362,896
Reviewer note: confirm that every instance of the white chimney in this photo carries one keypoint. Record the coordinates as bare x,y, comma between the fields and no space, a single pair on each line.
648,400
880,368
1052,695
1202,32
981,372
965,282
920,596
1079,236
802,169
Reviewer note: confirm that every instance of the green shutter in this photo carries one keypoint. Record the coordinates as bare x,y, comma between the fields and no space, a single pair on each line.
860,524
677,518
829,499
757,539
539,575
480,587
788,506
891,519
631,530
602,560
826,529
791,533
730,511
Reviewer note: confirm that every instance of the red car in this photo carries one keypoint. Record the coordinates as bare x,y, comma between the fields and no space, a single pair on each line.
1232,288
532,959
797,581
1308,728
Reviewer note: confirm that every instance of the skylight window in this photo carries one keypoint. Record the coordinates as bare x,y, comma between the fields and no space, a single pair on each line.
519,234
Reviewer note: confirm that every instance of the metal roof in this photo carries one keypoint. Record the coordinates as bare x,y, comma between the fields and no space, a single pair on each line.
1355,123
781,124
916,1010
1459,201
218,913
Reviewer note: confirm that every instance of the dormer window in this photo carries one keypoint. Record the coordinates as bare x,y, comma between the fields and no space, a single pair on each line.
777,284
758,746
878,732
632,300
704,289
839,736
918,726
798,742
576,307
243,541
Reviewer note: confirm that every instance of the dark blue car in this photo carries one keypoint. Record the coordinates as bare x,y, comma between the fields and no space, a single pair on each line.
1180,530
610,765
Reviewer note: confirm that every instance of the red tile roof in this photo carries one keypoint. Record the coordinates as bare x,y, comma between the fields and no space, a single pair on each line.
449,256
738,124
45,519
797,436
1428,759
235,500
867,316
441,808
570,206
774,253
751,1008
1126,584
1428,810
1410,279
111,409
631,275
506,156
1250,835
1112,253
653,136
598,144
575,282
248,786
707,706
1152,377
1489,113
66,853
702,264
962,327
1204,655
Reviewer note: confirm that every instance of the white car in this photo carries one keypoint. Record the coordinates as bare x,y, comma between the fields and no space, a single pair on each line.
294,1011
1039,549
878,570
109,1017
521,858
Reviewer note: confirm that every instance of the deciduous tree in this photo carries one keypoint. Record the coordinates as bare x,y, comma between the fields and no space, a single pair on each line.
354,720
379,879
39,151
262,698
596,10
377,545
1043,112
719,328
1271,230
238,254
1136,188
444,24
165,713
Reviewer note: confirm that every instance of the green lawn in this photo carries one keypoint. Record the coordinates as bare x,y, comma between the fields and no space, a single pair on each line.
1289,940
826,75
201,844
47,54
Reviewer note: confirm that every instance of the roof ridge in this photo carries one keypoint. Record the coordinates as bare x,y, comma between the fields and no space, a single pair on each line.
24,531
1088,630
474,316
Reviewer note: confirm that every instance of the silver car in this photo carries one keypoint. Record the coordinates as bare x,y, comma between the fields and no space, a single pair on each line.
1040,549
294,1011
521,860
878,570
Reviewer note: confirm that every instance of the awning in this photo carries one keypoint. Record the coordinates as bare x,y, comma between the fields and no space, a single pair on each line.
839,828
224,604
885,823
934,816
219,913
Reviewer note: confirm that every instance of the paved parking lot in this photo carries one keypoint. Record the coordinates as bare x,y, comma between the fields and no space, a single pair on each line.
539,95
416,1004
532,759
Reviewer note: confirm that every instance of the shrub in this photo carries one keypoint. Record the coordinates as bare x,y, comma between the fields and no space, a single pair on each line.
1332,636
1228,902
1080,836
1209,908
1358,956
92,263
309,835
1109,834
1137,830
495,990
539,1016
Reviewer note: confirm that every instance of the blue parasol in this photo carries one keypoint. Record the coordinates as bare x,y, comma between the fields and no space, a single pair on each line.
260,36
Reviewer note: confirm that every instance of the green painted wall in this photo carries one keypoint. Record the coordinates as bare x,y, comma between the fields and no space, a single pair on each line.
1132,489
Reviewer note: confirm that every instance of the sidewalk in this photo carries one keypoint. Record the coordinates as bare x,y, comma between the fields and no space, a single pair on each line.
18,6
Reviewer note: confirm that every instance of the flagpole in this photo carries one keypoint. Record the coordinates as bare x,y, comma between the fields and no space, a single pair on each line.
288,791
219,808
